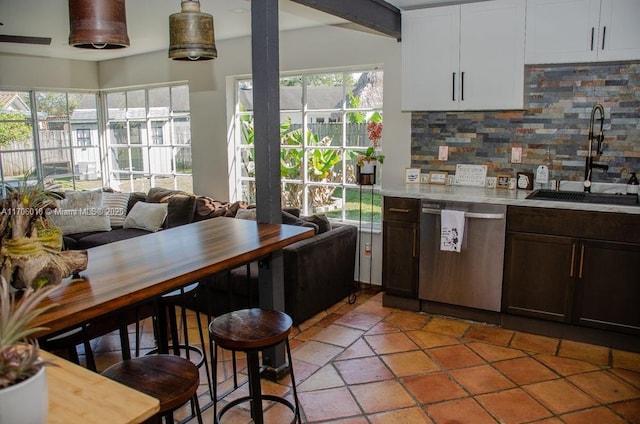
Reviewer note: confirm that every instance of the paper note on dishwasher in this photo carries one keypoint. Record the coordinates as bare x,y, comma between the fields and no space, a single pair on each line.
451,230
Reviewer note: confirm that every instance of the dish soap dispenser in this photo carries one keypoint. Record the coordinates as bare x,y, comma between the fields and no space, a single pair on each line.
633,185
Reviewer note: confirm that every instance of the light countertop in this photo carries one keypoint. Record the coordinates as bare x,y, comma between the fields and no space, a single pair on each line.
494,196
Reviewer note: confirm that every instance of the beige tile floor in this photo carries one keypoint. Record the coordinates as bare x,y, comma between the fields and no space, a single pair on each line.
365,363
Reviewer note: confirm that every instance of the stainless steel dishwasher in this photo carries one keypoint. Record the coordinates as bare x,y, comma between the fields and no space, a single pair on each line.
473,276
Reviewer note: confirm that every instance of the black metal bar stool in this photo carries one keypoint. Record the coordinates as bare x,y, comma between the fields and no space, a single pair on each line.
180,298
68,341
171,379
250,331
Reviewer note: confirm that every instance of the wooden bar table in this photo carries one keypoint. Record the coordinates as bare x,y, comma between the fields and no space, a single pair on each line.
79,396
129,272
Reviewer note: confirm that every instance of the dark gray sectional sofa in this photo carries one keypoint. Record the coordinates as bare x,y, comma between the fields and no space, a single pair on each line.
318,272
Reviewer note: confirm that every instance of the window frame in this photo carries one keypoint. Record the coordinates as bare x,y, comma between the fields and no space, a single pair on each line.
242,183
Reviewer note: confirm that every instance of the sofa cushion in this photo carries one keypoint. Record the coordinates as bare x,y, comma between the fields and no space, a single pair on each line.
135,197
320,220
181,205
146,216
287,218
105,237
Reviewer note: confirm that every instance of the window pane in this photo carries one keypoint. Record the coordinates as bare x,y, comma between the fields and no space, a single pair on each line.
137,133
248,165
325,91
183,160
244,95
325,165
159,102
291,163
291,98
52,106
321,198
324,134
15,165
292,195
248,191
87,165
181,130
136,104
180,99
116,105
161,160
16,132
83,108
245,129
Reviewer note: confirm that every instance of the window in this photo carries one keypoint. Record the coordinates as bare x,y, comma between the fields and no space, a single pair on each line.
57,136
323,120
149,138
83,137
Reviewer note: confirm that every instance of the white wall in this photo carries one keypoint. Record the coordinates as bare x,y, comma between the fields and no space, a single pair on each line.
28,72
315,48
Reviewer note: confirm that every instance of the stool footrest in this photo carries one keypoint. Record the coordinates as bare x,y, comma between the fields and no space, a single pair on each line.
190,348
243,399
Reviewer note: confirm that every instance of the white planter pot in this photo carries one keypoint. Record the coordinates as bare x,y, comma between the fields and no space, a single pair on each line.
26,402
368,167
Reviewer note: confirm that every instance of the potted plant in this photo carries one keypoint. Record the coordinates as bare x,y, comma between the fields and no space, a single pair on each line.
22,374
30,245
368,160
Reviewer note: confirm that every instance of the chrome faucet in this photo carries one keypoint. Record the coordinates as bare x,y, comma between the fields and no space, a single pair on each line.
591,155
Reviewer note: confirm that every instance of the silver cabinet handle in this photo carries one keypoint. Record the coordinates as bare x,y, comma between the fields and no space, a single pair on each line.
474,215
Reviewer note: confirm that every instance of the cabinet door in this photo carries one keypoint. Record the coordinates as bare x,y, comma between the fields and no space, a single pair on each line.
539,275
400,258
430,58
562,31
492,55
608,286
619,37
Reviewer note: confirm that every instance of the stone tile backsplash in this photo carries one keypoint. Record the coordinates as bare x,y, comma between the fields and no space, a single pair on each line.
558,100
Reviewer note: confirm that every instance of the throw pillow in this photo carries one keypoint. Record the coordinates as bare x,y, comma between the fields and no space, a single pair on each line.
81,199
181,208
85,220
246,214
116,206
320,220
146,216
289,219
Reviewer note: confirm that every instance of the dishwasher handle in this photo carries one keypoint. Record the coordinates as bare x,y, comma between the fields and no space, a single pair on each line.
474,215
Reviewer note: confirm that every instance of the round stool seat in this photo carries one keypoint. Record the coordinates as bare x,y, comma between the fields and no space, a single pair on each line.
248,329
170,379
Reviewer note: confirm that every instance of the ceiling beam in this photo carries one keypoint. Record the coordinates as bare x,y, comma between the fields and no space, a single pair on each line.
375,14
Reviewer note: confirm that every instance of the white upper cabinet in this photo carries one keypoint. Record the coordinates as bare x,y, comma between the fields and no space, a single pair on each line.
564,31
464,57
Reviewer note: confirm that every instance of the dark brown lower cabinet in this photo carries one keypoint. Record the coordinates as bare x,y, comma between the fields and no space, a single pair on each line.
566,278
607,288
400,241
538,281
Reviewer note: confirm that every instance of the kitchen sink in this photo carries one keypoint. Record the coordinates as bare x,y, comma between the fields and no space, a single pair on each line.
582,197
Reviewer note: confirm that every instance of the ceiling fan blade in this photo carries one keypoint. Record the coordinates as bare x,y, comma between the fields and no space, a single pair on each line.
23,39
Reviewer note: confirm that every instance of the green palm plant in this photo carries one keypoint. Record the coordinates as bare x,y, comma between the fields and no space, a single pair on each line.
19,353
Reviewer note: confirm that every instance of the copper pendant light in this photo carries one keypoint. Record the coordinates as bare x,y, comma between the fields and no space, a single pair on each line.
191,34
98,24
